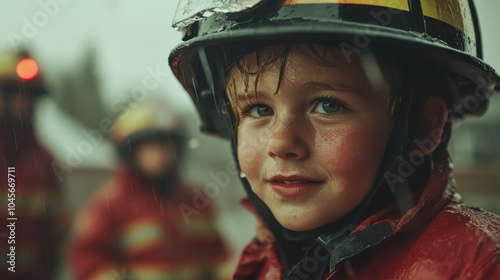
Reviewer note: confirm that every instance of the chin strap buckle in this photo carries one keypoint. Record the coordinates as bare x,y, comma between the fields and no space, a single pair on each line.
345,244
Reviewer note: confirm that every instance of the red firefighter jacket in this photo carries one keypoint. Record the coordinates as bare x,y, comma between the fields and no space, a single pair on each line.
439,238
31,223
128,232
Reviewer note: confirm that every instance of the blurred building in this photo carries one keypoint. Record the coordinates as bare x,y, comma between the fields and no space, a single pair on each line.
475,150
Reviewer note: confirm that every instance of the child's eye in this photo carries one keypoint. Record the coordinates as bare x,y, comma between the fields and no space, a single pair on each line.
329,106
260,111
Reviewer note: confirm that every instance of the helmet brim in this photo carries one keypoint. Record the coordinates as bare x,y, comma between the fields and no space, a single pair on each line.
410,45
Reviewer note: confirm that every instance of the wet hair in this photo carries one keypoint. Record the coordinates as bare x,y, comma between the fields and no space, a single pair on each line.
255,64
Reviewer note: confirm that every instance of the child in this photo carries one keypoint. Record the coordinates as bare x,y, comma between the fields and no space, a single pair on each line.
339,113
132,228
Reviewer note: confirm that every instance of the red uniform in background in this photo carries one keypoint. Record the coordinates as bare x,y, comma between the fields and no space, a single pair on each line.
134,227
38,227
31,213
128,228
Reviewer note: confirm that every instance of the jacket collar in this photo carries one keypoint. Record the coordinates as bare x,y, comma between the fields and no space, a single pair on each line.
435,195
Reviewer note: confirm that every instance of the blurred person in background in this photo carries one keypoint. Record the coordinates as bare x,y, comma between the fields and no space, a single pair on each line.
30,193
133,226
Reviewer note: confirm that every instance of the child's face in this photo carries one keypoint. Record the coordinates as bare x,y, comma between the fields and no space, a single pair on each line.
311,152
154,157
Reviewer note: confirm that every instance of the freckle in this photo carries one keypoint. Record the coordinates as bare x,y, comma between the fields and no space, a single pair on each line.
327,141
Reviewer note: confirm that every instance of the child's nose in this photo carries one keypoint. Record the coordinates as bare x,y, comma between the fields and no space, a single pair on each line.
288,140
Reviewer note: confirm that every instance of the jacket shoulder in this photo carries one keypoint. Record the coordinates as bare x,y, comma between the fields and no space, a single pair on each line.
480,225
459,242
472,238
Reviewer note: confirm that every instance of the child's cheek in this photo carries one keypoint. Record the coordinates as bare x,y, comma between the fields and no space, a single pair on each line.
346,154
251,145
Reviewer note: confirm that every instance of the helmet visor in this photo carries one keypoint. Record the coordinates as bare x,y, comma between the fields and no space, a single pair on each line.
190,11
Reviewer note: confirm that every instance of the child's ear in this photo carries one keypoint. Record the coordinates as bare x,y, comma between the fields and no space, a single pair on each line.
430,132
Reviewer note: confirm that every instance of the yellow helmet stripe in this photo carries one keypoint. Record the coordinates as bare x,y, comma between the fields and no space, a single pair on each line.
394,4
448,11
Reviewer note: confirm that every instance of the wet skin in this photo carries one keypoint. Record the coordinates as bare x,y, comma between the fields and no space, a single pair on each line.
312,150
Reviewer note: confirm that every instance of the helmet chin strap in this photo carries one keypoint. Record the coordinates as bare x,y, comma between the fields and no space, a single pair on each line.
335,239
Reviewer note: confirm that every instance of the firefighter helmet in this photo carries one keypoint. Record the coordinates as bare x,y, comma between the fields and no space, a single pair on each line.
440,34
146,120
20,73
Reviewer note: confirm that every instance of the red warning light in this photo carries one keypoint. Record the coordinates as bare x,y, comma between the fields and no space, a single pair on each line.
27,69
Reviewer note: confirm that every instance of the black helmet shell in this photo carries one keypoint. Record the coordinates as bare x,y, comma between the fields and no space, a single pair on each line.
440,34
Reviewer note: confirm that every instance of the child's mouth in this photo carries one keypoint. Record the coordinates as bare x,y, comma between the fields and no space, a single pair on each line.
292,182
286,186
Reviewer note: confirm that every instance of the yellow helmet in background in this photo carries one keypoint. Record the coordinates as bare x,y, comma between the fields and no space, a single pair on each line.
150,119
20,85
